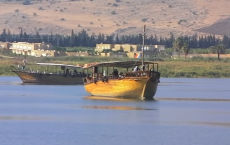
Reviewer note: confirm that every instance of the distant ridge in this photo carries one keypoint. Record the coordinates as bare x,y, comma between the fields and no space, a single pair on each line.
123,17
221,27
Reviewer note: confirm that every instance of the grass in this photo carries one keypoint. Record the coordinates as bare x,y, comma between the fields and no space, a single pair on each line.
179,68
195,69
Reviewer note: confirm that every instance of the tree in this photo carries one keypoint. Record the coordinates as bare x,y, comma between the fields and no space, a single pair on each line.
218,49
117,39
37,37
178,44
186,48
4,35
226,41
72,38
21,34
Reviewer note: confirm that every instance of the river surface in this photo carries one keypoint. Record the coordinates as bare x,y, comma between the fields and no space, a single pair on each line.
184,112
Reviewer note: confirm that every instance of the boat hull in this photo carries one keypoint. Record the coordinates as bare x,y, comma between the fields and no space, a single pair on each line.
135,88
39,78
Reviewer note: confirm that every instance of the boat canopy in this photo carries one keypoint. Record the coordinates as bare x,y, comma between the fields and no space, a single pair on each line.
56,64
121,64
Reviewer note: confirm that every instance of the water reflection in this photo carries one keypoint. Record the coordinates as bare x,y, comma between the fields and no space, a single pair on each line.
116,107
212,123
116,99
191,99
22,118
11,83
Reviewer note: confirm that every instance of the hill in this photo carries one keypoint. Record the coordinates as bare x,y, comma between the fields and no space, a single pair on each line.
123,17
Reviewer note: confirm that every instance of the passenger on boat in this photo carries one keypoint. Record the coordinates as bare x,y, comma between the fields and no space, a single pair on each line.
74,73
121,75
24,64
67,72
115,73
104,73
143,67
136,68
70,72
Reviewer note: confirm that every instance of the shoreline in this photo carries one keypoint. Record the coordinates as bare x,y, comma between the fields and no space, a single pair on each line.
169,68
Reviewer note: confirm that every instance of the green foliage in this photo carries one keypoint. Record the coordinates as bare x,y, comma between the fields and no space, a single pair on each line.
178,45
200,51
5,70
197,58
169,51
83,60
61,49
191,68
227,51
219,49
77,49
195,69
186,48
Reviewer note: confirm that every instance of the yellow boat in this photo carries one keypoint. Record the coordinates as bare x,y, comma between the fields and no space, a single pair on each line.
63,75
105,80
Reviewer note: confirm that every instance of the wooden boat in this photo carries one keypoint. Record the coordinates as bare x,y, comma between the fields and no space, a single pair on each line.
125,83
63,75
106,81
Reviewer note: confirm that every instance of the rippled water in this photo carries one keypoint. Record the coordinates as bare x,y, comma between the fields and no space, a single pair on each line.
184,112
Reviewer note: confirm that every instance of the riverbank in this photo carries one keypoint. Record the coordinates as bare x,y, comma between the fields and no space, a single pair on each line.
173,68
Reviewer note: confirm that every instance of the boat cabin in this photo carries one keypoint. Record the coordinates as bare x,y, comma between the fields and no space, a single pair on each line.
60,69
119,70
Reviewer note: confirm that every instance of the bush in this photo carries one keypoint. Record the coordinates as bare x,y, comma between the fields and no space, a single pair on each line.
115,5
144,19
26,2
113,13
180,21
199,51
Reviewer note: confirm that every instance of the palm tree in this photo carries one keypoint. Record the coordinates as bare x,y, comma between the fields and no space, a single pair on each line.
219,49
178,44
186,48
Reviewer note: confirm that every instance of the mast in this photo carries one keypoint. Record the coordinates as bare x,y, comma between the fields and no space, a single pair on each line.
143,45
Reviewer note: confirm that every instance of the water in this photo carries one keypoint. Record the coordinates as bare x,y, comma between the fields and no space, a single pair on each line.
185,112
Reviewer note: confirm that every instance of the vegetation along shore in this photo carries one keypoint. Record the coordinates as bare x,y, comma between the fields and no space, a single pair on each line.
196,67
182,56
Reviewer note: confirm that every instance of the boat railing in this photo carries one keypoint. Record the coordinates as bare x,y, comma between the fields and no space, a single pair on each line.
137,74
100,77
